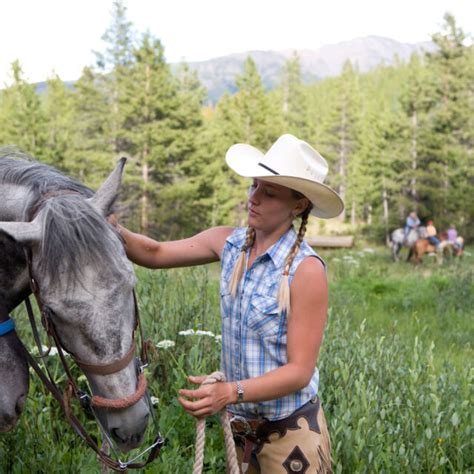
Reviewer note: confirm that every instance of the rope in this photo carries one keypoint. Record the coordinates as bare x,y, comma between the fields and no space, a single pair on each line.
231,455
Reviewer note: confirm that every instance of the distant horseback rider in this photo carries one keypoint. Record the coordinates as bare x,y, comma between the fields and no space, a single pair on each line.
412,222
452,234
455,240
431,232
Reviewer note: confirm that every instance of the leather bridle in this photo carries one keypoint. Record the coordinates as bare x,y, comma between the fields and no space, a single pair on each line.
86,401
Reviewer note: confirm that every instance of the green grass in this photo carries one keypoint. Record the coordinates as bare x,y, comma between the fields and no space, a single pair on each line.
396,371
431,302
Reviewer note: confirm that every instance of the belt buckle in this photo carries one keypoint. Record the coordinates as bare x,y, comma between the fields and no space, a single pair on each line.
240,419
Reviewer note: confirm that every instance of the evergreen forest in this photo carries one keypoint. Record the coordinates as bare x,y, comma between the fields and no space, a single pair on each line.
398,138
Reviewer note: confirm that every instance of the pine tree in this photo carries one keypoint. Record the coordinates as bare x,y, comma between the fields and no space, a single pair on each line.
294,100
341,128
91,158
22,122
114,63
416,98
448,159
59,114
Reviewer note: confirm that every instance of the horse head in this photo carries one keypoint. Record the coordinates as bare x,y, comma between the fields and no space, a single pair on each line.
85,285
14,372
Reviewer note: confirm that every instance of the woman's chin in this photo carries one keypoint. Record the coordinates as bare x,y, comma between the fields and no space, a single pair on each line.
252,220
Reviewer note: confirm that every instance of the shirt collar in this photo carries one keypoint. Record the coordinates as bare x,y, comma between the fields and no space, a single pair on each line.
281,248
277,252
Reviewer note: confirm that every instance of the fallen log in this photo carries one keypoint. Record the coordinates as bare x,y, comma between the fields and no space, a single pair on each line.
331,241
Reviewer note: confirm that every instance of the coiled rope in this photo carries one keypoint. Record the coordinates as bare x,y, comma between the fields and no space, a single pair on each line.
231,455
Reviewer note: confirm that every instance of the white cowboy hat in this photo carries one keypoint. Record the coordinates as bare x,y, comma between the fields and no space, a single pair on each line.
292,163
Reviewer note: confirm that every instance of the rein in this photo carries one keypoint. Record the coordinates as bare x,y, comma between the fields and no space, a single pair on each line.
85,400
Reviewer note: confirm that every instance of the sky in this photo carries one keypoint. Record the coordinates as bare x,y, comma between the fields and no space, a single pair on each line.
60,36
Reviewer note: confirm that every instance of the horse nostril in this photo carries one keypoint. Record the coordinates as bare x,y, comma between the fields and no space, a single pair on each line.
6,419
116,435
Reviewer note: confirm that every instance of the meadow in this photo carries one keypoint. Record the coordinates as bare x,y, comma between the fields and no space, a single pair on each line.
396,370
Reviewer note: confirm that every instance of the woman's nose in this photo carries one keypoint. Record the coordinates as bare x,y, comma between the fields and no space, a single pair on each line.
254,195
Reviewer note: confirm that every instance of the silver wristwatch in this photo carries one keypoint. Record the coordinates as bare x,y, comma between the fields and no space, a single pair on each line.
240,392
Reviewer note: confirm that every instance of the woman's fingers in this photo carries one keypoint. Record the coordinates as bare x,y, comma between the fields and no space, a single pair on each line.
198,379
198,393
198,408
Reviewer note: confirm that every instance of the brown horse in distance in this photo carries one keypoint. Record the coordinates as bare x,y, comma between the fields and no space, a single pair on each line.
421,247
445,249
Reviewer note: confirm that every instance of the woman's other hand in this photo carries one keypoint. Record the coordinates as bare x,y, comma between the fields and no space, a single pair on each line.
208,399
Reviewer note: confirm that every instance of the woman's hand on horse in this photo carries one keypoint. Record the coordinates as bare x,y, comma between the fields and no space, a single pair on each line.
207,399
112,220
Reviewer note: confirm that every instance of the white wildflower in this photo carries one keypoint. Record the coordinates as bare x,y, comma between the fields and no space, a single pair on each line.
165,344
187,332
154,401
218,338
204,333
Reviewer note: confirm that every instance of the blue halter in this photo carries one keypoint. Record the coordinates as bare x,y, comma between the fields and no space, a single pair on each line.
6,327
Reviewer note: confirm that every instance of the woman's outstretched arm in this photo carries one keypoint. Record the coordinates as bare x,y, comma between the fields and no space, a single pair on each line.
205,247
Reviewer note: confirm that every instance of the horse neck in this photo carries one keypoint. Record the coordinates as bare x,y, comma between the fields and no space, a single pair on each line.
13,199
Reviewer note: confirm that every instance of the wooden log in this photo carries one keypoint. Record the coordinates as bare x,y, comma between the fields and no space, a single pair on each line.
331,241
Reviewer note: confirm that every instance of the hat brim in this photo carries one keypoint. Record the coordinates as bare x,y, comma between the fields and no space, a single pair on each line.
244,160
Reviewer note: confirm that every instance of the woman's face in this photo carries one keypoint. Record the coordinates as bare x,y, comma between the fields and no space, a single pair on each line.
271,206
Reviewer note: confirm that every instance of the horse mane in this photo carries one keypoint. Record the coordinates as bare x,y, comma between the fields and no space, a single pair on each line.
74,233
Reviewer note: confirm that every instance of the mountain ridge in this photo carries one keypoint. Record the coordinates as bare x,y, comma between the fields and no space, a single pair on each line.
366,53
218,74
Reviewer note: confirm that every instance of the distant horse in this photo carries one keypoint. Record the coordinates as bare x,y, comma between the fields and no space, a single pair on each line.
445,249
423,246
398,240
85,281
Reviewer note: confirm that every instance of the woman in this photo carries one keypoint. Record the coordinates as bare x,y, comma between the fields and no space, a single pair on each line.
273,300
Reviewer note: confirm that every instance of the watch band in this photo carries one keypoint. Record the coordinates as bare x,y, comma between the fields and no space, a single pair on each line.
240,392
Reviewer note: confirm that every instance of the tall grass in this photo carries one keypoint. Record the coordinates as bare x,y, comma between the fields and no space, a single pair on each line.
396,371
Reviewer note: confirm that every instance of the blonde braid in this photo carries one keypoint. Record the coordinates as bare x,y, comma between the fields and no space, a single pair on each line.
284,289
240,263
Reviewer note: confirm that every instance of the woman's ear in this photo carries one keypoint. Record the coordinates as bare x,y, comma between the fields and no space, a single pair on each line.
300,207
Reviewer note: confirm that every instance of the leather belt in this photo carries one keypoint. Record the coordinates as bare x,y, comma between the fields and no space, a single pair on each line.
258,430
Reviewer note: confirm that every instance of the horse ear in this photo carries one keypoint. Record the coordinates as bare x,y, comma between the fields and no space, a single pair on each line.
106,195
23,232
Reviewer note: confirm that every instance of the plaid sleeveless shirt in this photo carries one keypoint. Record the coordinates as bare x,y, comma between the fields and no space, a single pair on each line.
254,335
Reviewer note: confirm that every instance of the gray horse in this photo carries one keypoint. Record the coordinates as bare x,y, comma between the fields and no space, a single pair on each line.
85,279
13,365
13,373
398,240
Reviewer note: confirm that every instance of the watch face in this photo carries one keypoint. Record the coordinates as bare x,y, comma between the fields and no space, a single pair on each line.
240,392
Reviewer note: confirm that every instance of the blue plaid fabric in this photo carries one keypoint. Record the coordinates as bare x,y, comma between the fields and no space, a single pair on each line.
254,335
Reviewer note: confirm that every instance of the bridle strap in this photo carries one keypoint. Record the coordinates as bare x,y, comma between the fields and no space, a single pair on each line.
34,329
125,402
108,369
64,402
7,327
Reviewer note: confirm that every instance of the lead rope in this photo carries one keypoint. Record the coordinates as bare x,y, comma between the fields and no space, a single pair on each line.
231,455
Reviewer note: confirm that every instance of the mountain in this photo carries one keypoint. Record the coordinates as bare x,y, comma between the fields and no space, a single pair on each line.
218,74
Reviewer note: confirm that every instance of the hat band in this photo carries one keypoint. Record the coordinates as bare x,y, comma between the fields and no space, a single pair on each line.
267,168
